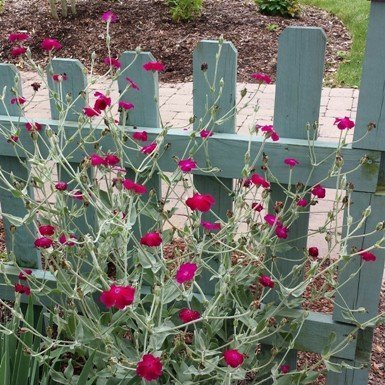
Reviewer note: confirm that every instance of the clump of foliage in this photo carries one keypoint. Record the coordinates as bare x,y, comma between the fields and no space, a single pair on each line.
285,8
64,8
185,10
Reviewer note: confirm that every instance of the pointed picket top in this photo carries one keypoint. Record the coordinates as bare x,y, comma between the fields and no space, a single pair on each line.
371,100
300,71
207,91
145,99
10,81
70,90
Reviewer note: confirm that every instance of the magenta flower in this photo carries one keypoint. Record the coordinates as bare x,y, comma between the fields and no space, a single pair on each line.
22,289
344,123
31,127
367,256
148,149
20,100
257,206
313,251
43,242
126,106
186,165
102,101
211,226
18,36
97,160
118,296
206,133
109,17
17,51
67,242
272,220
14,138
140,135
90,112
23,274
266,281
318,191
186,272
302,202
150,368
200,202
188,315
112,62
112,160
261,78
285,369
77,195
270,132
130,185
61,186
151,239
154,66
281,232
46,230
132,84
259,180
59,77
50,44
291,162
233,358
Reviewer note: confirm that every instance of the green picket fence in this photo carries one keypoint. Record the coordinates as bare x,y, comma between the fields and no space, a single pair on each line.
297,102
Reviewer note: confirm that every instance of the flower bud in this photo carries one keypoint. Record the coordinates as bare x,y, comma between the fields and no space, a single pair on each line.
367,212
243,92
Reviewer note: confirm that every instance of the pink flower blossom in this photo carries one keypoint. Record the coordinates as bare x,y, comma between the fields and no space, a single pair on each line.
50,44
261,78
67,241
200,202
14,138
257,206
367,256
285,369
272,220
291,162
90,112
109,17
313,251
43,242
246,182
140,135
102,101
20,100
186,165
61,186
206,133
112,62
148,149
233,358
59,77
126,106
97,160
302,202
118,296
130,185
150,368
211,226
23,274
281,232
266,281
318,191
18,36
154,66
270,132
47,230
22,289
186,272
17,51
188,315
31,127
112,160
132,84
151,239
259,180
78,195
344,123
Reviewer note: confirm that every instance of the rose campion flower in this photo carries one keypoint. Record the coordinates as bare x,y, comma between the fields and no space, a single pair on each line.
259,180
151,239
140,135
266,281
148,149
67,241
302,202
61,186
318,191
47,230
154,66
186,272
257,206
281,232
50,44
22,289
313,251
43,242
109,17
269,132
130,185
200,202
59,77
132,84
14,138
233,358
150,368
112,62
285,369
246,182
186,165
211,226
97,160
118,297
90,112
261,78
367,256
18,36
20,100
272,220
206,133
188,315
125,106
31,127
112,160
344,123
78,195
17,51
291,162
102,101
23,274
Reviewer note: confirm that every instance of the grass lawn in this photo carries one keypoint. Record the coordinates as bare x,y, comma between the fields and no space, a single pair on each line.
354,14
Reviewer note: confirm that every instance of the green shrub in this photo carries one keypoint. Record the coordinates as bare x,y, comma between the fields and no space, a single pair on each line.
184,10
285,8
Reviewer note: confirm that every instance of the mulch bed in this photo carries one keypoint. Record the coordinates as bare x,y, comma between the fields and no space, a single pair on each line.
147,23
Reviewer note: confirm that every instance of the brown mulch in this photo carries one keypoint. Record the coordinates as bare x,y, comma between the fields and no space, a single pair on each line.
147,23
